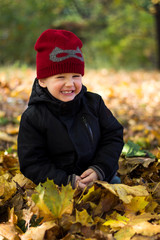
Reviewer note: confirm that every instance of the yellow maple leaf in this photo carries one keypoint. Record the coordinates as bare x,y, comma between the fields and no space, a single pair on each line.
90,195
115,220
52,201
137,204
84,218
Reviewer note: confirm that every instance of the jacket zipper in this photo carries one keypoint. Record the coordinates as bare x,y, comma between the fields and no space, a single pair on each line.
89,130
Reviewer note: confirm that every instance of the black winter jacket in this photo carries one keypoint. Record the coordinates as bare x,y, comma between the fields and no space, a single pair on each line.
58,140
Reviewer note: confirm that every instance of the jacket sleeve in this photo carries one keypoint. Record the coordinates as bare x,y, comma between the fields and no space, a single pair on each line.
32,153
105,162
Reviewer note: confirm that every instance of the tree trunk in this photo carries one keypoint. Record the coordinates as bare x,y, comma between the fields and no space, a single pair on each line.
157,18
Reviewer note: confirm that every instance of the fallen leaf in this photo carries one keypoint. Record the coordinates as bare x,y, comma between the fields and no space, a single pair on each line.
131,149
12,130
125,233
124,192
127,165
23,181
138,225
7,190
137,204
5,137
115,221
52,201
9,231
37,233
84,218
146,229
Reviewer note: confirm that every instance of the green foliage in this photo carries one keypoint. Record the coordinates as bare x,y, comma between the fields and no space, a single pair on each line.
114,33
6,120
3,121
125,40
132,149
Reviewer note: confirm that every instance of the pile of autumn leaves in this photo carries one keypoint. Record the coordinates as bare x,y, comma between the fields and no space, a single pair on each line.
103,211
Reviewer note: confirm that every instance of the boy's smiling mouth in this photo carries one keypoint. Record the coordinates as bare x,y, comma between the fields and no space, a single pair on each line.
67,92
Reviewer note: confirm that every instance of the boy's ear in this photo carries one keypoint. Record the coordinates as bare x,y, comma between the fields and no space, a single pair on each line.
42,82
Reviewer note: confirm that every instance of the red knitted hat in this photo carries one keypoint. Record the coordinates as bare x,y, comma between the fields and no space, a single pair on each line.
58,51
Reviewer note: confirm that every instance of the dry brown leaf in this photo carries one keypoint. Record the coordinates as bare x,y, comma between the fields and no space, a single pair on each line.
37,233
5,137
8,231
23,181
129,164
8,191
12,218
124,192
138,225
146,229
12,129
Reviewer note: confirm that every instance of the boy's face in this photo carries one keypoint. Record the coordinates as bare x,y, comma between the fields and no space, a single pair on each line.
64,86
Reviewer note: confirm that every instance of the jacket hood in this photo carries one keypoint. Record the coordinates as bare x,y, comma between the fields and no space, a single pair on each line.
42,95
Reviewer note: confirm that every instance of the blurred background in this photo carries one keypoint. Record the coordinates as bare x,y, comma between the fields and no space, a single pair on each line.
122,55
116,33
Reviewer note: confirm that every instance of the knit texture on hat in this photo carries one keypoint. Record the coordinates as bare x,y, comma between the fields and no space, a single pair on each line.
58,51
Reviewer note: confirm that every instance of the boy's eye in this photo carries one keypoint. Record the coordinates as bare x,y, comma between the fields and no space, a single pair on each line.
75,76
60,76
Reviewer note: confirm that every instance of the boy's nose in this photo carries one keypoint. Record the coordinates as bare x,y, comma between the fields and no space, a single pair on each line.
69,81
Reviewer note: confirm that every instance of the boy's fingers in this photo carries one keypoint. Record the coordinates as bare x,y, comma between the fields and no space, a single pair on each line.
86,173
78,178
81,185
92,177
87,179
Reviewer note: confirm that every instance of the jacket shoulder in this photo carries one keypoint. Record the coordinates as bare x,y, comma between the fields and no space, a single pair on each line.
32,111
93,100
34,114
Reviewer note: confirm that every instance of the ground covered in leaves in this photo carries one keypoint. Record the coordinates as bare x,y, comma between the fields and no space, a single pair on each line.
120,211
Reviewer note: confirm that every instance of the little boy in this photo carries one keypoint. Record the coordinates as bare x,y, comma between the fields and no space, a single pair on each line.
67,133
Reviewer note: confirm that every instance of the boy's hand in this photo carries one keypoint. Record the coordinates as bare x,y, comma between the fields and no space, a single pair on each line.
88,176
79,184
